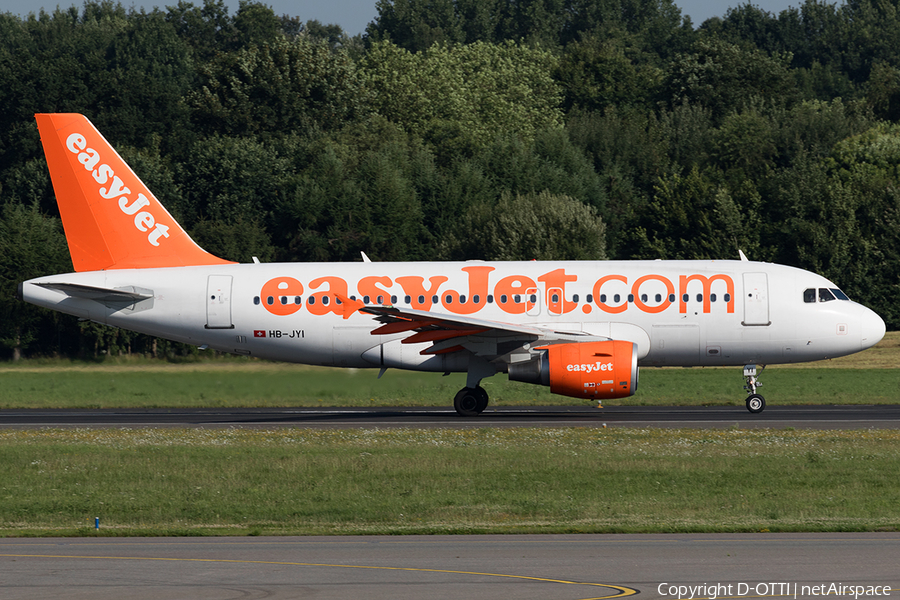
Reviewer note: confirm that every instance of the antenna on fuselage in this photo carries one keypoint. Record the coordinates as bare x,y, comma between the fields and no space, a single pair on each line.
743,256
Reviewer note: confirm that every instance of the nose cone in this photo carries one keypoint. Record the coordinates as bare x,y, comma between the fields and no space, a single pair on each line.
872,329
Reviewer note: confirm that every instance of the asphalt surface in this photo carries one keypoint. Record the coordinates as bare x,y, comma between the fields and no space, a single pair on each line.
516,567
817,417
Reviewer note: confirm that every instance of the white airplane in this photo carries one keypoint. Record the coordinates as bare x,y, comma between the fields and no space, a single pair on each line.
582,328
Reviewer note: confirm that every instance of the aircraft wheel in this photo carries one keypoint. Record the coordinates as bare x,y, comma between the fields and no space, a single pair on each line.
482,399
756,403
469,402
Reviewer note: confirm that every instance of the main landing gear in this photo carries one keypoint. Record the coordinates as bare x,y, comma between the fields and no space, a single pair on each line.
472,399
755,402
470,402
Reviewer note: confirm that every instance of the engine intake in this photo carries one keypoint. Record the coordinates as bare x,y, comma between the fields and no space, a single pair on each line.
583,370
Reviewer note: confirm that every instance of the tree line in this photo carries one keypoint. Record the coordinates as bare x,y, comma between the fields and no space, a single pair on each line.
467,129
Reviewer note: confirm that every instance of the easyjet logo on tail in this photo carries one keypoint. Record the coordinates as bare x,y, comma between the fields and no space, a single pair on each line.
111,187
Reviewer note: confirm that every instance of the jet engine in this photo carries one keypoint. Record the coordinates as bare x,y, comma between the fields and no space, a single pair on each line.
593,370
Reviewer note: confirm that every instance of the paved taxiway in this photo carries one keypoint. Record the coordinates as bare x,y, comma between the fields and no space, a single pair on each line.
818,417
435,567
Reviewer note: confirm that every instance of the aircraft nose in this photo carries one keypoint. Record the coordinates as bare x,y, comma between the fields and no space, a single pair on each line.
872,329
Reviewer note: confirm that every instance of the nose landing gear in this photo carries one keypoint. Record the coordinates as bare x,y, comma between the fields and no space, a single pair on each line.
755,402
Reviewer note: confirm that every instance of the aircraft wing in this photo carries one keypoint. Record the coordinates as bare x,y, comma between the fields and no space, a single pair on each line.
453,333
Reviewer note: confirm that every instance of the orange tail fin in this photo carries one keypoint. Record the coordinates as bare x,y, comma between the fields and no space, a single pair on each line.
112,220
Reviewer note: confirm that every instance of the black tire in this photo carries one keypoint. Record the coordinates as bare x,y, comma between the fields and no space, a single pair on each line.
482,399
756,403
467,401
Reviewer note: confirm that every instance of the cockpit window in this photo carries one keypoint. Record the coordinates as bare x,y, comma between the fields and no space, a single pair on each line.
812,295
840,295
825,295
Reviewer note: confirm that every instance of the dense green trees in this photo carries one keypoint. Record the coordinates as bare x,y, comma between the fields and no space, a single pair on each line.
532,226
460,97
278,87
468,129
29,245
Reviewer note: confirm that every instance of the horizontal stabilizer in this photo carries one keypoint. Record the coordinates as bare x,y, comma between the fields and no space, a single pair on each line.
112,297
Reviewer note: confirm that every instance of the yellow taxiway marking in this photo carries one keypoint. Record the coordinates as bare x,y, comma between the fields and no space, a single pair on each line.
623,591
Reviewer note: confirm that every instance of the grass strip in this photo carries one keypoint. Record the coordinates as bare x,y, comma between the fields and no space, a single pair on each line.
866,378
399,481
262,386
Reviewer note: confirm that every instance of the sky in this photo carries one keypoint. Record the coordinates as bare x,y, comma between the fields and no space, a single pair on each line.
354,15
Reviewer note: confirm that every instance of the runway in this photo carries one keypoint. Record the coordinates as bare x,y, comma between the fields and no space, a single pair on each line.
816,417
520,567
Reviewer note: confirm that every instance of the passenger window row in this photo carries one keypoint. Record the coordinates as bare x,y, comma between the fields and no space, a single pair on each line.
516,299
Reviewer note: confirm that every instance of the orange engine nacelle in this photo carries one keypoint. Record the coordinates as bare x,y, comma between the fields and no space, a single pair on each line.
583,370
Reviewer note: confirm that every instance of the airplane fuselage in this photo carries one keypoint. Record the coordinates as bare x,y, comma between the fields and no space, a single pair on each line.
686,313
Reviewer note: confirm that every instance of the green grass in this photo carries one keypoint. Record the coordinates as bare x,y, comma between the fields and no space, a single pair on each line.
869,377
292,481
258,384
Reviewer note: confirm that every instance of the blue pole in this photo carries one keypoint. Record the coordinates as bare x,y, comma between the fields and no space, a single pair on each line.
96,522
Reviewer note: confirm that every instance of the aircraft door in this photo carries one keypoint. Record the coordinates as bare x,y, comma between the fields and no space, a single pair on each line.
555,301
218,302
756,299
